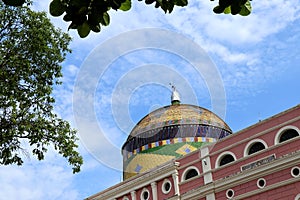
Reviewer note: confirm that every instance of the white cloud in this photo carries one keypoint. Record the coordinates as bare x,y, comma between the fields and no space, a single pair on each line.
37,180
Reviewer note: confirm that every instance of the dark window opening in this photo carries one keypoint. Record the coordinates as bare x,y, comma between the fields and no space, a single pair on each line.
191,173
146,195
258,146
230,193
167,186
288,134
261,183
226,159
296,172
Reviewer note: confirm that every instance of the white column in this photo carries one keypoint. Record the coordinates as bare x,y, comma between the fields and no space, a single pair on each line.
154,190
211,196
176,183
206,166
133,195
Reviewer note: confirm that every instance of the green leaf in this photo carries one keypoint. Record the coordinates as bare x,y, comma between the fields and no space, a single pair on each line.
227,10
164,5
78,3
218,9
235,8
73,26
56,8
115,4
246,9
96,28
181,2
14,2
105,19
149,1
83,30
67,17
126,5
170,7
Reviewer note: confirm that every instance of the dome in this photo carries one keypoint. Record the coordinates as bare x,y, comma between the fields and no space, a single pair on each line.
170,132
182,114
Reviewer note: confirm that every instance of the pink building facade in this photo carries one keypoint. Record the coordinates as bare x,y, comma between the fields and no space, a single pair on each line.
258,162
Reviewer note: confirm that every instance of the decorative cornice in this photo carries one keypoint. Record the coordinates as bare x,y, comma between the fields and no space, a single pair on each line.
137,182
283,162
267,188
279,164
253,136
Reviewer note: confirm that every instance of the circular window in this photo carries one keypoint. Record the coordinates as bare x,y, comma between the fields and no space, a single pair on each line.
125,198
166,186
261,183
145,194
295,172
230,193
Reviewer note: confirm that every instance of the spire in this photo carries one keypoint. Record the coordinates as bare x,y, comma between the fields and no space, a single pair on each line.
175,97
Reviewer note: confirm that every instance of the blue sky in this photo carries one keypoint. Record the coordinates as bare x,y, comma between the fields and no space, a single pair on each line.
255,57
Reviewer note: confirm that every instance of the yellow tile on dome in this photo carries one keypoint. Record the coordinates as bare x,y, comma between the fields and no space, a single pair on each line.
143,162
185,149
153,144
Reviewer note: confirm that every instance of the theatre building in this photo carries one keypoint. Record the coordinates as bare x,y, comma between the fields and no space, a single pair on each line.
187,152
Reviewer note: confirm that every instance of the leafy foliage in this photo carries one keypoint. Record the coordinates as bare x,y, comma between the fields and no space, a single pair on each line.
90,15
242,7
87,15
14,2
31,51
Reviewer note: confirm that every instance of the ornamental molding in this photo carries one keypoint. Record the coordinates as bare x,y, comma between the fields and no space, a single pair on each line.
259,162
137,182
267,188
281,163
253,136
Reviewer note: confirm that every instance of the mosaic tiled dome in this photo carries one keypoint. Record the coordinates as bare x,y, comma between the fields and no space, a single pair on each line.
170,132
182,114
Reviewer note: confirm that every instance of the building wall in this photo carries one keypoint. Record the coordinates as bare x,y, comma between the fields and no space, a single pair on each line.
273,164
160,184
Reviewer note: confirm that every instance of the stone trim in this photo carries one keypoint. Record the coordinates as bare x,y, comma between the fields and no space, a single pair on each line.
282,130
250,143
253,136
267,188
137,182
279,164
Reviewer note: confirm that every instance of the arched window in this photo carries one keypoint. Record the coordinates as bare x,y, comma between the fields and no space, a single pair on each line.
288,134
254,146
257,146
226,159
189,173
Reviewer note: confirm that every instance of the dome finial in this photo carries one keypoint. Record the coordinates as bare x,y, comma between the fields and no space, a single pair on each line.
175,97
